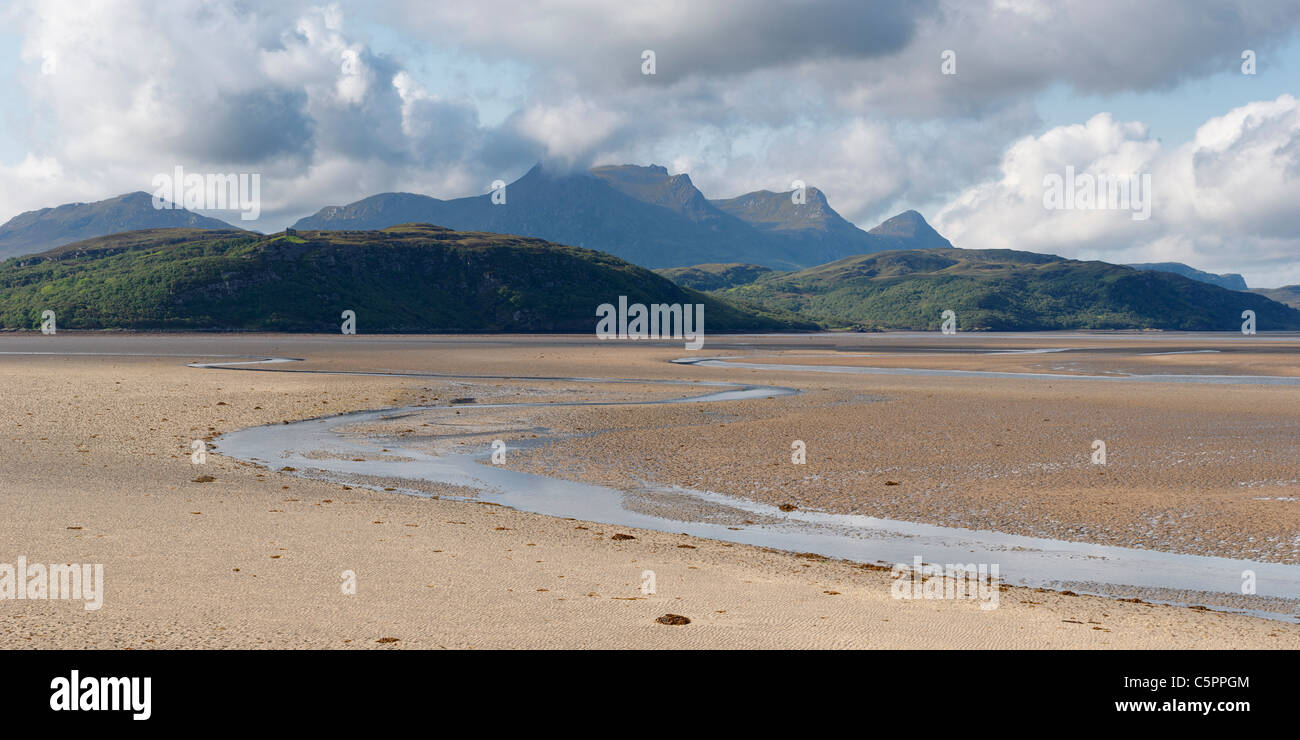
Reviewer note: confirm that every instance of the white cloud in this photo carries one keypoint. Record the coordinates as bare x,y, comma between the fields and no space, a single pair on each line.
1222,202
844,95
569,130
285,91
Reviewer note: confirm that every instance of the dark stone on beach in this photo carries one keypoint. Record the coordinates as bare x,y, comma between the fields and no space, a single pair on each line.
387,640
674,619
787,507
463,400
204,479
621,536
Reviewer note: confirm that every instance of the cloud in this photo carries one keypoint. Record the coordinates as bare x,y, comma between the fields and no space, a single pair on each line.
284,91
1224,201
878,56
600,43
844,95
567,131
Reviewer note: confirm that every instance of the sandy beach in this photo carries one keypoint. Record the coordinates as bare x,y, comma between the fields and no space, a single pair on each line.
97,468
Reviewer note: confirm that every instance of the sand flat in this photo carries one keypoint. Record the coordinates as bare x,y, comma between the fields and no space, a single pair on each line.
255,557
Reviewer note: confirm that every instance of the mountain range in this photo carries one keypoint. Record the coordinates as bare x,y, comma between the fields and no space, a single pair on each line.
642,214
763,260
645,216
47,228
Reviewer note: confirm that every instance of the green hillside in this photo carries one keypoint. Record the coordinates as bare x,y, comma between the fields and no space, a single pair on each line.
1003,290
715,276
1288,294
412,277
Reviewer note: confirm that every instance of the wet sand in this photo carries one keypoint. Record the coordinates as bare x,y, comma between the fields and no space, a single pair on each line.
255,557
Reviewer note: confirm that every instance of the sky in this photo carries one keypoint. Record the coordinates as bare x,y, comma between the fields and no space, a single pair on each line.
332,102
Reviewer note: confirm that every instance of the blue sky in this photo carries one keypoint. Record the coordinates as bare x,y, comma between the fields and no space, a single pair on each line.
1175,114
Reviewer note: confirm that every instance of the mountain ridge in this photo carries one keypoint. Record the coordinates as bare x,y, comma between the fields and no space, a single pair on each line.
994,290
407,278
1231,281
640,213
46,228
1288,294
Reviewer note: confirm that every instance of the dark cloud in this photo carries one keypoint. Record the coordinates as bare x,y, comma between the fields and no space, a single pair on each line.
249,127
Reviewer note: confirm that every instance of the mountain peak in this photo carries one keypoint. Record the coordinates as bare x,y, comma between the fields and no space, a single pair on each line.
912,226
652,184
37,231
632,170
778,211
907,223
